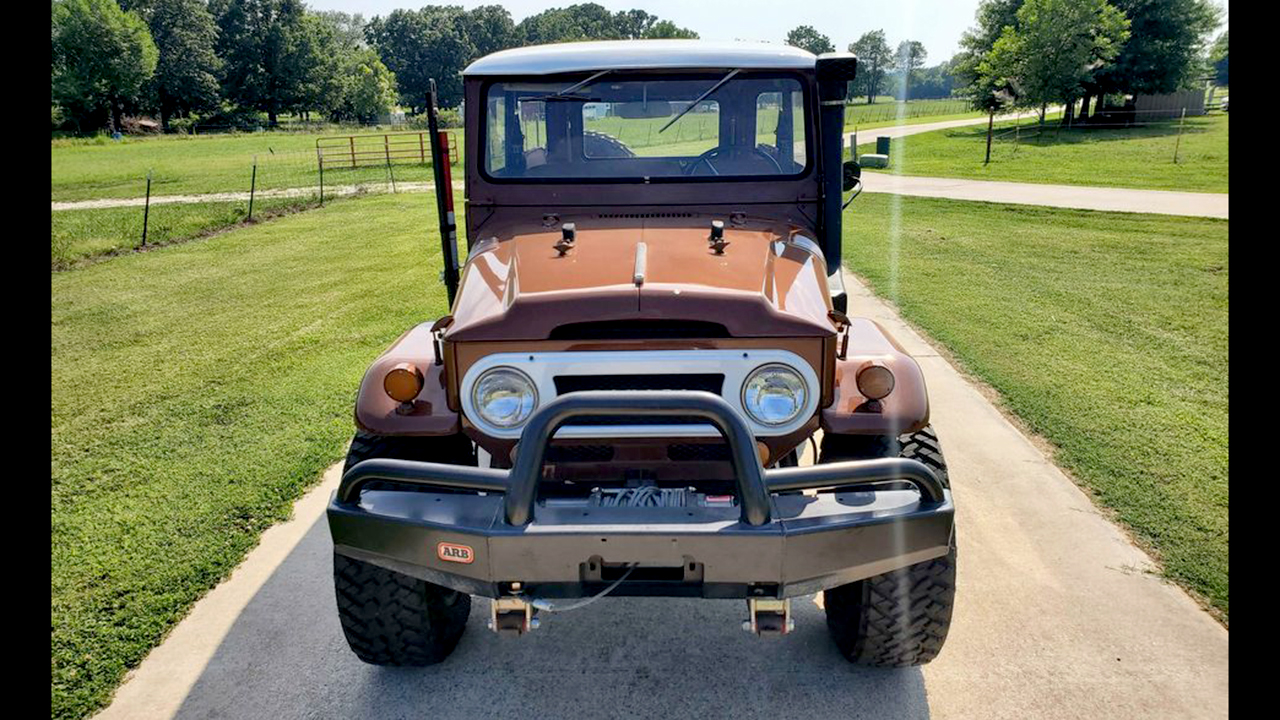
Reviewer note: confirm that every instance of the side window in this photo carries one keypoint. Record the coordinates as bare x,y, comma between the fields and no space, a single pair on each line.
495,130
516,136
780,127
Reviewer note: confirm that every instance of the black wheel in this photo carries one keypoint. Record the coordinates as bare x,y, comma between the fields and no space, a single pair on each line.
600,145
448,449
390,618
899,618
394,619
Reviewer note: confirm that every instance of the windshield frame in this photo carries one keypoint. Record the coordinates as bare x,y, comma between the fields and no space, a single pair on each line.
810,125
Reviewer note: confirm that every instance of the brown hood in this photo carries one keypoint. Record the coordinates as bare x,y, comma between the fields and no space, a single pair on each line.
767,283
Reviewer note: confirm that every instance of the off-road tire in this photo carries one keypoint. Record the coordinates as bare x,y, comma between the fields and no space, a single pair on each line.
394,619
899,618
447,449
600,145
921,445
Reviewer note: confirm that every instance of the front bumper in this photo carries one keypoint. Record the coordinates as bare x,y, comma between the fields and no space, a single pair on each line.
775,541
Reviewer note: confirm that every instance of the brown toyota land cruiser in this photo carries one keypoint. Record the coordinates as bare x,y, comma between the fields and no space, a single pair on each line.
648,330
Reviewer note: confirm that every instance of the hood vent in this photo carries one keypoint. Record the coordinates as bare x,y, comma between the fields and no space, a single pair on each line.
640,216
639,330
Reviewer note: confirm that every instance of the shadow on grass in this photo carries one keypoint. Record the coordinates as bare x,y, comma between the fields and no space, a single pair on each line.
1052,134
285,657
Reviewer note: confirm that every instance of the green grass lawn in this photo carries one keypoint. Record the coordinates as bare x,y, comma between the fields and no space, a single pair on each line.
1105,332
197,390
85,169
1140,157
79,235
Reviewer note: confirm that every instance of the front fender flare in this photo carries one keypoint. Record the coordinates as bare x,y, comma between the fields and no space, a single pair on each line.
904,410
377,413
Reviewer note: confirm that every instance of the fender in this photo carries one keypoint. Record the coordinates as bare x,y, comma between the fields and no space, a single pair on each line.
904,410
430,414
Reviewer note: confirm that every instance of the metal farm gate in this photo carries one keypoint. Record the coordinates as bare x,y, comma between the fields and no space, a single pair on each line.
336,152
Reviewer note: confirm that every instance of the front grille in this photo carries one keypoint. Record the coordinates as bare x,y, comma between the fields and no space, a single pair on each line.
698,452
707,382
579,453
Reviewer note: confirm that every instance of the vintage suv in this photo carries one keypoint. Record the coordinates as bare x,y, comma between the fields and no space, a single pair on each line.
648,329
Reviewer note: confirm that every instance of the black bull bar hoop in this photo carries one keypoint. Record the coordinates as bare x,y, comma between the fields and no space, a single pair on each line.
755,483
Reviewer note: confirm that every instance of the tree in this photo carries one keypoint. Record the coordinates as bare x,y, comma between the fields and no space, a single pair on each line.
348,28
1056,49
274,54
490,29
1218,57
875,58
665,29
635,24
806,37
586,21
1164,50
418,45
908,59
102,58
589,21
186,76
934,82
985,91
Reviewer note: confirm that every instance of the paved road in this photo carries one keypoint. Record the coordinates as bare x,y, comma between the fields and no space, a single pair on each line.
869,135
1161,202
1056,617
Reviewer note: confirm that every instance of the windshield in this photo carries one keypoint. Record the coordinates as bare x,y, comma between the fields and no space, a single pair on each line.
727,124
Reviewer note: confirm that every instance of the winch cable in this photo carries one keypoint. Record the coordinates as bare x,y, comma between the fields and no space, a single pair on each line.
541,604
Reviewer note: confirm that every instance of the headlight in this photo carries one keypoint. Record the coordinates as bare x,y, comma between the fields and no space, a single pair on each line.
504,397
774,395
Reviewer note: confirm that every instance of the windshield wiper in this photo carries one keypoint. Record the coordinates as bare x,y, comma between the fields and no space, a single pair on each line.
584,83
701,97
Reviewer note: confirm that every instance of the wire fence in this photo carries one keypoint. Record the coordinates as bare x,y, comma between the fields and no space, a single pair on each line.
888,112
1152,123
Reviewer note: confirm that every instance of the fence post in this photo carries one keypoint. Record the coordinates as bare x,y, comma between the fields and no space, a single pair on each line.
390,173
991,119
321,159
253,186
352,140
146,210
1178,142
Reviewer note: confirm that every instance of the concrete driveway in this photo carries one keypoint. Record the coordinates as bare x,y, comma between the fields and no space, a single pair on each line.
1056,616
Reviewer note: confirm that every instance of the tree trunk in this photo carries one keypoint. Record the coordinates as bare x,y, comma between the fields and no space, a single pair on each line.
1068,112
271,117
991,118
117,117
164,118
1084,106
1043,108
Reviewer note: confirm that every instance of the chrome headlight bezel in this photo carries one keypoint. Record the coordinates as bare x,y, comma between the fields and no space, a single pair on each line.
518,377
755,413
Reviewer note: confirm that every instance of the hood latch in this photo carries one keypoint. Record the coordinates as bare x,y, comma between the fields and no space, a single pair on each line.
717,241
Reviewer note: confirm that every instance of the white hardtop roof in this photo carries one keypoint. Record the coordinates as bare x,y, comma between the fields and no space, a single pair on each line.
640,55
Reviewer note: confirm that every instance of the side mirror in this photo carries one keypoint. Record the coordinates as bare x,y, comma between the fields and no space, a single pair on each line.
852,173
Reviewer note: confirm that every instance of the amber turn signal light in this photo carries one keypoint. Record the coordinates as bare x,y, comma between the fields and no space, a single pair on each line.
403,382
875,381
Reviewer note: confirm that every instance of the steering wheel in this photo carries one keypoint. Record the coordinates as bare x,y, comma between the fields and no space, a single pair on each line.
714,152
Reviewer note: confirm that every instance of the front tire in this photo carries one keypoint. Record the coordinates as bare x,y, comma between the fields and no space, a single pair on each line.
387,617
393,619
899,618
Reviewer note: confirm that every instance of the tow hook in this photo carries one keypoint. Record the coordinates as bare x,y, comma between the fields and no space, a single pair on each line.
512,616
769,616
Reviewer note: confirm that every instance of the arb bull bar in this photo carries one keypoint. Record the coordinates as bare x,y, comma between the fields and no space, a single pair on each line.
482,530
